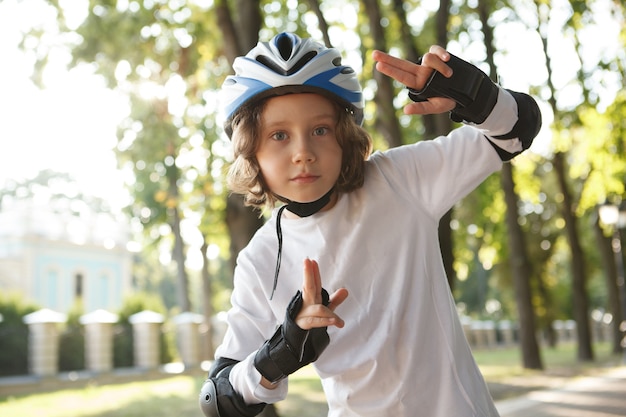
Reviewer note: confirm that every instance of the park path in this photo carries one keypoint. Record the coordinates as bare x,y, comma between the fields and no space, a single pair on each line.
602,395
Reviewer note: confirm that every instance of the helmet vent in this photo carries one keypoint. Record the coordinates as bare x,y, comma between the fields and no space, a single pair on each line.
284,44
295,68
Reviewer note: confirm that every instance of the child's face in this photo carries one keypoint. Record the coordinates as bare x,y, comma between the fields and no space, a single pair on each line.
298,152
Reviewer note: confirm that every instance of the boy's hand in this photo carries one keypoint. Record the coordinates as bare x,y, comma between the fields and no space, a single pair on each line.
415,76
313,313
302,337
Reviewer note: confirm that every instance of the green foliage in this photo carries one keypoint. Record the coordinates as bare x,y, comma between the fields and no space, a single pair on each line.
151,277
139,302
123,345
14,334
72,341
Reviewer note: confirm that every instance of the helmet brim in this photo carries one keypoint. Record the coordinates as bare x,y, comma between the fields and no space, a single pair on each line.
283,90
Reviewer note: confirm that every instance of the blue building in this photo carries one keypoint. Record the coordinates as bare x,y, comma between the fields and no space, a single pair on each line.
54,252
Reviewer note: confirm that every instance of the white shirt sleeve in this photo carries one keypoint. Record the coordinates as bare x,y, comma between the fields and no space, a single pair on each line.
501,121
247,381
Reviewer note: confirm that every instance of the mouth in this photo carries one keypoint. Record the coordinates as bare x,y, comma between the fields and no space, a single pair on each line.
305,178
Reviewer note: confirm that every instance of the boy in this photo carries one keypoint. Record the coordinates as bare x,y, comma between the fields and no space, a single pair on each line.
388,341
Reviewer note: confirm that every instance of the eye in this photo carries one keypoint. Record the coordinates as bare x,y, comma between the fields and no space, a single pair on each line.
279,136
320,131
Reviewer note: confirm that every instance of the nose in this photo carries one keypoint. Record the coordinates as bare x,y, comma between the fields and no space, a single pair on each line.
303,150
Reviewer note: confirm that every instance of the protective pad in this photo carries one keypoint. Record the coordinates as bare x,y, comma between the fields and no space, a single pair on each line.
208,399
472,90
291,348
525,129
218,398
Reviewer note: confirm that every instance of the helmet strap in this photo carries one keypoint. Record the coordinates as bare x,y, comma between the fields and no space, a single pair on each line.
302,210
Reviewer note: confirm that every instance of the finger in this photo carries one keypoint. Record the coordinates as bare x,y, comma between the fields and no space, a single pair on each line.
337,298
312,283
408,73
318,316
391,61
440,52
403,73
434,105
318,279
437,61
308,323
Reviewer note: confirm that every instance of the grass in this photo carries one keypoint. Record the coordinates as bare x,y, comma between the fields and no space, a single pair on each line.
503,363
177,395
164,397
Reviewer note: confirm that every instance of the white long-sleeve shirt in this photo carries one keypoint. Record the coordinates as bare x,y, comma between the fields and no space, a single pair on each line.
402,351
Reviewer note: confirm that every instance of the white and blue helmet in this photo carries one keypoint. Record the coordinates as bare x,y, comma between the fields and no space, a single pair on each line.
289,64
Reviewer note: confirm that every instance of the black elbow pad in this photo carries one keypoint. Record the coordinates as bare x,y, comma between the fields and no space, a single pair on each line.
526,128
218,398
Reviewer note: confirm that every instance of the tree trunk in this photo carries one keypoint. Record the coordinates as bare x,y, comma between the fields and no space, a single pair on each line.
229,33
249,21
522,273
321,21
608,261
207,306
549,315
386,119
578,266
520,263
179,250
242,223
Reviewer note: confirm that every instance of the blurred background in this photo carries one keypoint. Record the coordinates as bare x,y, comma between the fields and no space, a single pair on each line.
118,236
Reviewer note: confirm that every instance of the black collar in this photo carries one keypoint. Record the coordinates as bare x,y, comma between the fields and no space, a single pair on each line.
308,209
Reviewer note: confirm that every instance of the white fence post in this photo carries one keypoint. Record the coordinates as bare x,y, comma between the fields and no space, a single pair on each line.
147,345
188,337
43,341
99,340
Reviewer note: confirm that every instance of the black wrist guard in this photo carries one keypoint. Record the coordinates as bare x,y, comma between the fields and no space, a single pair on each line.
291,347
472,90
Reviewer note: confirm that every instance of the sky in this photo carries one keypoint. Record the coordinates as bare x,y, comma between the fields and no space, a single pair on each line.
70,124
